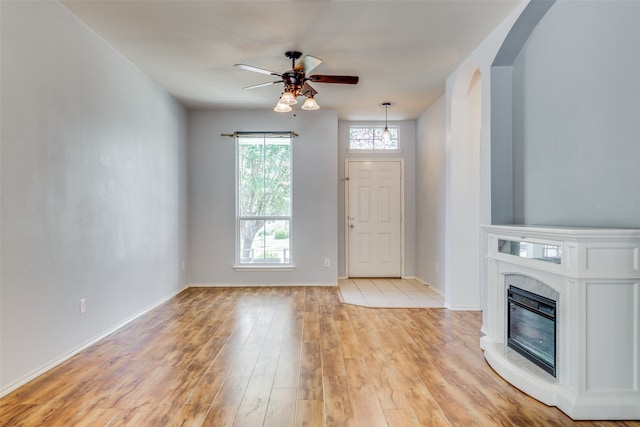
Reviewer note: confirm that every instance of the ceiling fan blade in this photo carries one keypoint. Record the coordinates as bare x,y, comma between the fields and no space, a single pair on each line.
347,80
261,85
256,69
308,90
308,63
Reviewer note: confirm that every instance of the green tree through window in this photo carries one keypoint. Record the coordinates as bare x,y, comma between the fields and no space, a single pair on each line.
264,198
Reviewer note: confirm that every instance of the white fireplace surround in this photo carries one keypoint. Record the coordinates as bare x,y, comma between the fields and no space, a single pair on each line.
597,323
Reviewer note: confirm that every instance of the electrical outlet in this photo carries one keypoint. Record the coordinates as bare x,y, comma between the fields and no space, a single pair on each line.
327,262
83,305
437,267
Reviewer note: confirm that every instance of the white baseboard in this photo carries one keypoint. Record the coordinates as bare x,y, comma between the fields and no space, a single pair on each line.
446,305
433,288
470,308
36,373
257,285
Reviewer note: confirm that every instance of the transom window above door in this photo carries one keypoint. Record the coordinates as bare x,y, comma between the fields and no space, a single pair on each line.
369,139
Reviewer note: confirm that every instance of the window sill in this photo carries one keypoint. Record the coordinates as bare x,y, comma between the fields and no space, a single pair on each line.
264,267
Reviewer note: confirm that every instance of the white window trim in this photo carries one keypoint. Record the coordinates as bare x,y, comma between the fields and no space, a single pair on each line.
257,266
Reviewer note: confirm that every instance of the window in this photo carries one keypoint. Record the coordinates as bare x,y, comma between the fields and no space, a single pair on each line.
263,198
363,138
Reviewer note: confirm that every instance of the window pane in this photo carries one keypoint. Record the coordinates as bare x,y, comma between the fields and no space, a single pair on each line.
277,192
379,144
361,138
251,178
264,177
265,241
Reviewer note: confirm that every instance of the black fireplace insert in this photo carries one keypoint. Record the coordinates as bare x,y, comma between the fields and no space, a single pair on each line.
532,327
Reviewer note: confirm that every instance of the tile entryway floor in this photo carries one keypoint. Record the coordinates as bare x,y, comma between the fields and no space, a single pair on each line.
389,293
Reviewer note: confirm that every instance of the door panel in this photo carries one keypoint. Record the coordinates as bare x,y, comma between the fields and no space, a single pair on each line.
374,219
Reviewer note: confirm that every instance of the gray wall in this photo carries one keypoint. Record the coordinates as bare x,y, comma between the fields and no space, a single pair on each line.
430,195
576,105
407,136
502,158
93,189
212,196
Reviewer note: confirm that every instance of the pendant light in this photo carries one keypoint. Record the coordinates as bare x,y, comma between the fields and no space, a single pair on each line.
386,135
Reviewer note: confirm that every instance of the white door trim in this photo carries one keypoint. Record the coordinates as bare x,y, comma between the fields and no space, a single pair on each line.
346,206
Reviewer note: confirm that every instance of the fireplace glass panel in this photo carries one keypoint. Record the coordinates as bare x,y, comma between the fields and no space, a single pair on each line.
538,251
532,328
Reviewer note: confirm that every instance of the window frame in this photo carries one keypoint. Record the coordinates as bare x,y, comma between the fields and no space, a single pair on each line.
288,262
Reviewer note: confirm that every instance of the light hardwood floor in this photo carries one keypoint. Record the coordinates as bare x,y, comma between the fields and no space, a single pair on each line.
280,357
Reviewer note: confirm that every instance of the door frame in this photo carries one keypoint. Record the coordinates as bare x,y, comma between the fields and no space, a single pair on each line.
346,206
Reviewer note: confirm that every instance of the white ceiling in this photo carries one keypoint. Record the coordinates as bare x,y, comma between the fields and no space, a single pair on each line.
402,50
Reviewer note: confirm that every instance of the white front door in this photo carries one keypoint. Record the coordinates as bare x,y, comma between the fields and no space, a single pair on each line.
374,216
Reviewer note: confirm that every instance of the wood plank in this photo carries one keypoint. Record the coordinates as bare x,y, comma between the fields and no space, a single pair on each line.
311,328
281,408
253,407
309,413
310,385
400,418
288,369
363,395
225,405
339,410
196,407
331,350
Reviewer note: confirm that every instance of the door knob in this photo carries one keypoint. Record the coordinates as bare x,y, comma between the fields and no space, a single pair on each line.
352,225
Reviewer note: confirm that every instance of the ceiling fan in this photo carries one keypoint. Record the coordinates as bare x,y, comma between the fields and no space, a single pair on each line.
296,81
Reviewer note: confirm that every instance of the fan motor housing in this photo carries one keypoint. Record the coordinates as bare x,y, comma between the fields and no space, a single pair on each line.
293,80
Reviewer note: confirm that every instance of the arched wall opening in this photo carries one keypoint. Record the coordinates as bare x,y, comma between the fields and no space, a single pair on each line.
505,198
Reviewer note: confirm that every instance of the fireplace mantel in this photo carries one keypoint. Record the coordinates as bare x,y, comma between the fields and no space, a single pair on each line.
597,277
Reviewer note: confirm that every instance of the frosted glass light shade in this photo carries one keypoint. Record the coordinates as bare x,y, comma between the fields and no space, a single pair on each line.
282,108
386,134
310,104
288,98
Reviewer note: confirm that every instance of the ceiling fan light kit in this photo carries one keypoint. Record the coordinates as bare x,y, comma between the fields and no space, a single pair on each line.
295,81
